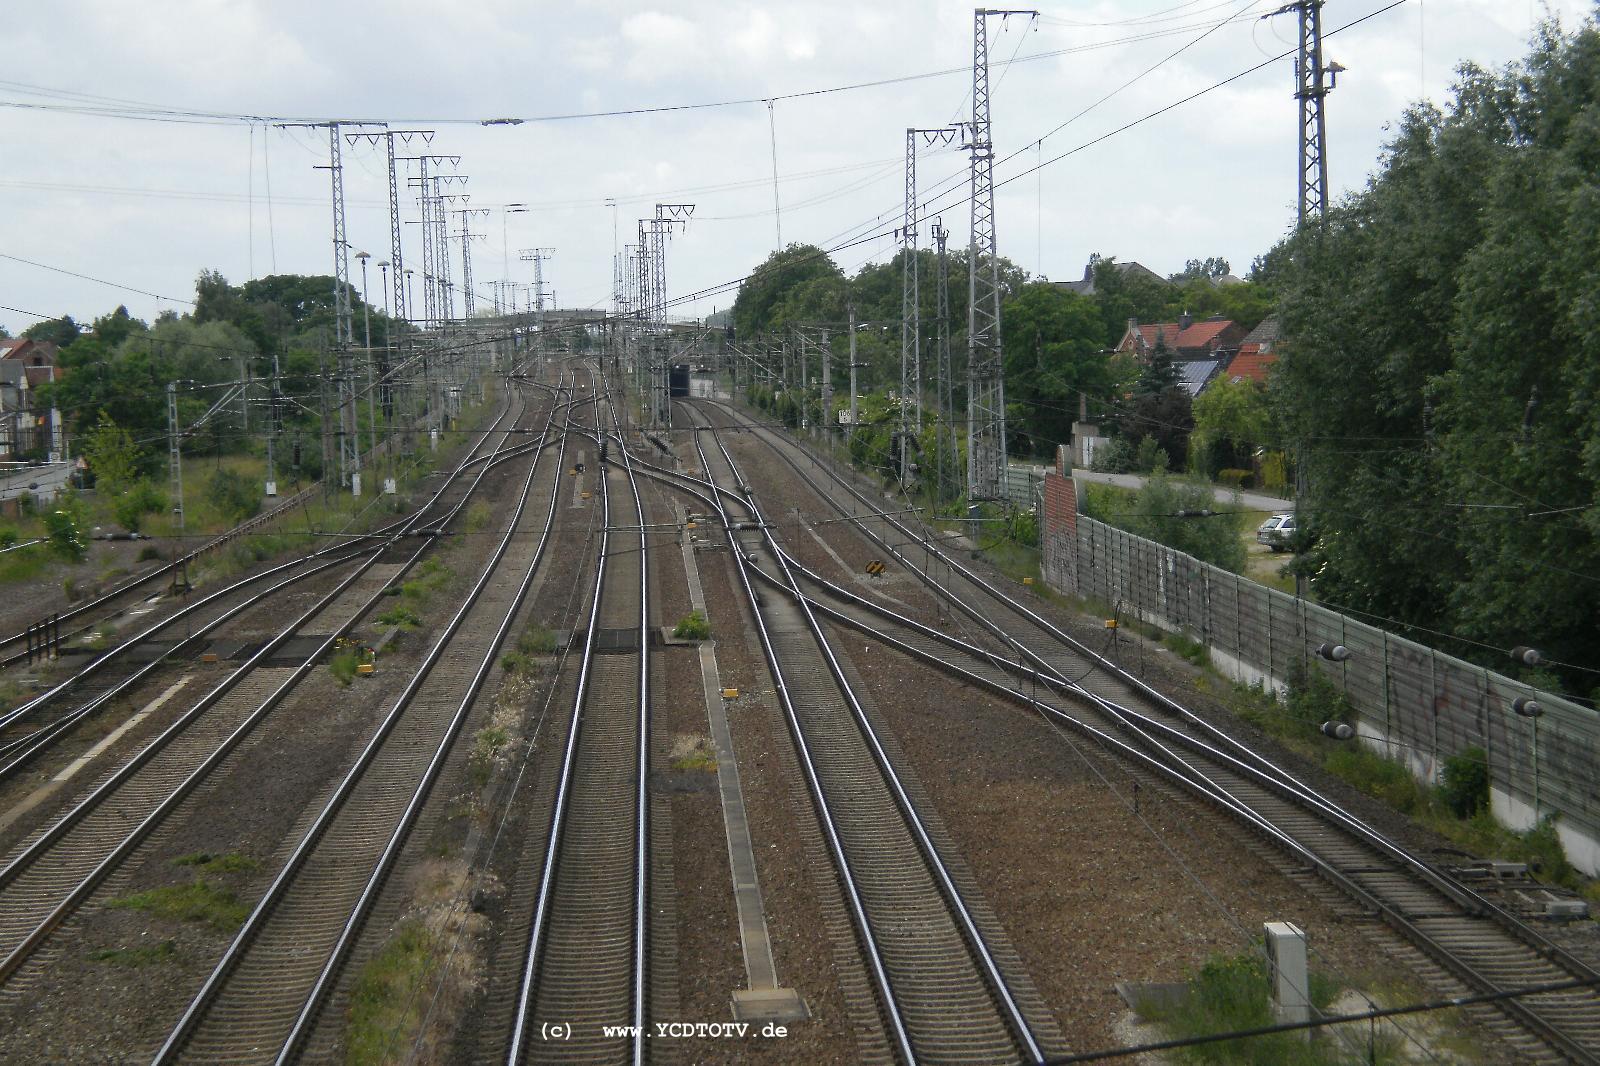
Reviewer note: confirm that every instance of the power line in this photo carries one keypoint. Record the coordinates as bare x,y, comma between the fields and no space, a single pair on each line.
109,107
98,281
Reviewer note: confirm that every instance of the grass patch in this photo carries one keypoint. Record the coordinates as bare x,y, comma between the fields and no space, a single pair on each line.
400,616
693,754
1185,648
523,658
198,901
476,520
1456,810
384,1014
1231,993
24,564
480,765
229,862
428,579
692,626
142,956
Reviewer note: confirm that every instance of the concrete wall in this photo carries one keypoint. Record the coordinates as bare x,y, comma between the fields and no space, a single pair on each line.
1412,703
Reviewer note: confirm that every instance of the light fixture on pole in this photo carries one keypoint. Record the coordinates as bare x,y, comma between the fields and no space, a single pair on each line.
505,247
388,402
366,330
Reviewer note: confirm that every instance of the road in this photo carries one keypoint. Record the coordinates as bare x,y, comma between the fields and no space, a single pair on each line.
1254,501
43,481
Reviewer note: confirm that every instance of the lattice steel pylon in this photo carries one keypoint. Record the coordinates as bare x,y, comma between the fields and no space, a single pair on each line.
341,248
986,387
468,301
911,297
1313,80
537,256
430,310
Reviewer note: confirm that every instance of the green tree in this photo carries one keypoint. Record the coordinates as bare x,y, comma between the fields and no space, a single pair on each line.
60,331
1440,377
112,456
1231,419
1053,354
1183,516
765,301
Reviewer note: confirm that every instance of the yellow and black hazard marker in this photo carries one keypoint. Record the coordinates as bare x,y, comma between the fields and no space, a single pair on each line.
875,567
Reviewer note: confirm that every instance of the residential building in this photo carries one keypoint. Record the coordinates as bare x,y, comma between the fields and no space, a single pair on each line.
1256,353
24,366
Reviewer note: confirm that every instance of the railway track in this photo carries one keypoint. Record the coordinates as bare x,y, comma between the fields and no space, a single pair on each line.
84,850
264,998
585,961
949,988
1486,949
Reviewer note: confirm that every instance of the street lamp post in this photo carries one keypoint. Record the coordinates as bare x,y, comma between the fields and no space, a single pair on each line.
386,384
505,243
366,328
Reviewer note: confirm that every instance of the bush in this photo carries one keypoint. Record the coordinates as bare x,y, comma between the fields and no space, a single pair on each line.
692,626
399,616
139,499
148,552
66,538
234,496
8,536
1023,527
1150,458
1115,456
1168,511
1235,478
1465,785
1314,698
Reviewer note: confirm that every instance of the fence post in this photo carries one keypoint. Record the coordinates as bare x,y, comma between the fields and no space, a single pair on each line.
1266,599
1433,709
1388,710
1488,730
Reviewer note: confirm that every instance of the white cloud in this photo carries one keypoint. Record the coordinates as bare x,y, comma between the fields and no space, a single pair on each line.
1215,176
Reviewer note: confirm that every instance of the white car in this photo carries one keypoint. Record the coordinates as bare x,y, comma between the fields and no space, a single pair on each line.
1276,532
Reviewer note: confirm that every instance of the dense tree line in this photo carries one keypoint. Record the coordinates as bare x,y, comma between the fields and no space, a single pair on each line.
1442,373
117,370
1057,342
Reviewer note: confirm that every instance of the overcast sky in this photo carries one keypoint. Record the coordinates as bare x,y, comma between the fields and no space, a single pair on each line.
148,204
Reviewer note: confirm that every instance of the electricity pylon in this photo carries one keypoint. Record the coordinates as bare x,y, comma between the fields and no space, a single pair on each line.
986,388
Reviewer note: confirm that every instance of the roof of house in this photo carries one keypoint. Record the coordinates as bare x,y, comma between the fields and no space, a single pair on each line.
1198,338
1251,364
38,353
1195,374
1086,286
1266,334
39,375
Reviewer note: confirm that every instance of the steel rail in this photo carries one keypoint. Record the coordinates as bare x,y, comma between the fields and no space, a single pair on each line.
263,909
1464,897
1141,727
41,846
887,999
402,525
369,894
523,1016
990,967
19,752
1442,882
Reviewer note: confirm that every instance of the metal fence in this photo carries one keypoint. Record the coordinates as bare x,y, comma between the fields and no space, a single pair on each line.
1419,704
1024,486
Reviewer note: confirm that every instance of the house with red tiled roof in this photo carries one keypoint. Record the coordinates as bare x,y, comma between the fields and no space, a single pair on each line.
1187,338
1256,354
